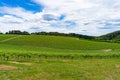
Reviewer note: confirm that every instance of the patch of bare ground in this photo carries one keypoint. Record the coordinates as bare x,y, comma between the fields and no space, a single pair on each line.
6,67
107,50
24,63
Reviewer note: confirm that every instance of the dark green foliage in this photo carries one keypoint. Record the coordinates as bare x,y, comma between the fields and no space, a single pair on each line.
63,34
18,32
1,33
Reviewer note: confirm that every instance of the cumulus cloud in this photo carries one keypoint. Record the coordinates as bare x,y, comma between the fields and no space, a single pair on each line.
90,17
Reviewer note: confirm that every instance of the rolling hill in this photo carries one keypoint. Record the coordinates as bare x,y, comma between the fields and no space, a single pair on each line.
35,57
56,42
53,46
110,37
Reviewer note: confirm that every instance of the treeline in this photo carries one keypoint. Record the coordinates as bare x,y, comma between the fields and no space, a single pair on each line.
18,32
63,34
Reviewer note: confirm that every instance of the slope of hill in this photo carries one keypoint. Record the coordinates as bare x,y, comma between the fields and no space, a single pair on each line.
4,37
58,42
111,37
52,46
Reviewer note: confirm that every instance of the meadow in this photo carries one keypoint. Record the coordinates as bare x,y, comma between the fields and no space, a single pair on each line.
37,57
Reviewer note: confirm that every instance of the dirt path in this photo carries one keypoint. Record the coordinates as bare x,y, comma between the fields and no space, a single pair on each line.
10,39
24,63
6,67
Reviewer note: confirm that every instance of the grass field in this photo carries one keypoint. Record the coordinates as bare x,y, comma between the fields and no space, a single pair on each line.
35,57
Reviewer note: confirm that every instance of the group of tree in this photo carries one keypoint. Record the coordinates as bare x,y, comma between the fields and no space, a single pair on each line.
63,34
18,32
1,33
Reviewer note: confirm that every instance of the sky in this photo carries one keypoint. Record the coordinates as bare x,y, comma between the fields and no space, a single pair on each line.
88,17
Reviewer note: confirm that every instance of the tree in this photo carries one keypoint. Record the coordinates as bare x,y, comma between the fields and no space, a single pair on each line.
18,32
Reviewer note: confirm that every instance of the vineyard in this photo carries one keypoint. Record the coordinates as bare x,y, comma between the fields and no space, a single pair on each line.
37,57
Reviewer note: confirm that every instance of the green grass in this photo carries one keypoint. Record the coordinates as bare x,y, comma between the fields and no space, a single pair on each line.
58,42
60,47
64,69
3,37
58,58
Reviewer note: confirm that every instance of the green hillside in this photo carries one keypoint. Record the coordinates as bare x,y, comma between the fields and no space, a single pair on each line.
4,37
58,42
110,37
56,46
38,57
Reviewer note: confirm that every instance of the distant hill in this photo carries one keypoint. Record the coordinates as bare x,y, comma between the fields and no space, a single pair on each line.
110,37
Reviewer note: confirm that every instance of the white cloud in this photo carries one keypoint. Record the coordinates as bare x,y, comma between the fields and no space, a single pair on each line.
90,16
55,4
85,11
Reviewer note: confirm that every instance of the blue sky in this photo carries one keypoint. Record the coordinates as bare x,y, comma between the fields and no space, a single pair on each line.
89,17
26,4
